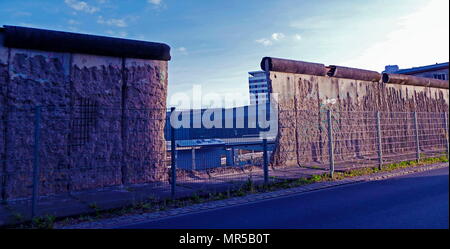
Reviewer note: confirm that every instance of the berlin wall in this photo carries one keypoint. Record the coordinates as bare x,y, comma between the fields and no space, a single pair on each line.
96,93
305,89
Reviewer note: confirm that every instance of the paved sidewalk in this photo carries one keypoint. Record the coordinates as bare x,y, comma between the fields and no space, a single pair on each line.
65,205
126,220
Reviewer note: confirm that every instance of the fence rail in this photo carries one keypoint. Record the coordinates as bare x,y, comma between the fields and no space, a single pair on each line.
58,150
358,139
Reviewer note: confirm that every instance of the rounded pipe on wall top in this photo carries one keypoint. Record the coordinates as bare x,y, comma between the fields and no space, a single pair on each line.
404,79
67,42
302,67
353,73
292,66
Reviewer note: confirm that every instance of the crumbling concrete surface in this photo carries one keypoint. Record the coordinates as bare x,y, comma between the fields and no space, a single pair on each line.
97,96
303,102
101,123
3,90
35,78
146,86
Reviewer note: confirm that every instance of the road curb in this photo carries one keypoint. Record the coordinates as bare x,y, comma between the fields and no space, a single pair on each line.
147,217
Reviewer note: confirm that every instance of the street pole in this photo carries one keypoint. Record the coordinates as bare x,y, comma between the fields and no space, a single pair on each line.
330,142
266,162
173,150
380,148
416,128
446,133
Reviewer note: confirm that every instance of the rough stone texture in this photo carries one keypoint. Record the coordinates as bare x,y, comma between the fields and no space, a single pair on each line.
36,79
3,69
96,154
3,90
92,133
303,116
146,92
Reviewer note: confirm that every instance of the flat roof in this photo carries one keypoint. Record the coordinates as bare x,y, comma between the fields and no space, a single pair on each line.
433,67
199,142
59,41
255,72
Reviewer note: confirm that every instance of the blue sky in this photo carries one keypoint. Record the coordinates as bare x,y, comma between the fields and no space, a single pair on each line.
216,42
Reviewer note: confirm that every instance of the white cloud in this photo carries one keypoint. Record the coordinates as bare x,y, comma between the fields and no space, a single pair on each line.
278,36
112,22
264,41
275,37
81,6
182,50
297,37
121,34
422,38
155,2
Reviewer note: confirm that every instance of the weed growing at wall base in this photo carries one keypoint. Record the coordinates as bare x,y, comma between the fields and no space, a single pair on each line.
250,187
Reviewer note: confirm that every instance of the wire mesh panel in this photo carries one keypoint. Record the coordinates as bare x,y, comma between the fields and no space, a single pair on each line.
82,147
355,139
302,140
82,121
398,136
145,146
433,134
359,139
219,161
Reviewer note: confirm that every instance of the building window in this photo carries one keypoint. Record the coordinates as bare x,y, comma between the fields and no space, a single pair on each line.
257,81
440,76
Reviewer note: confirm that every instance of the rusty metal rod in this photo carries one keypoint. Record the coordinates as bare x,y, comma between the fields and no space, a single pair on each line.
291,66
353,73
404,79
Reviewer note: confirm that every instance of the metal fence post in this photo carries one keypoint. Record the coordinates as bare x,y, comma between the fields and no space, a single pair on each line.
330,142
266,162
380,148
446,133
173,150
36,162
416,128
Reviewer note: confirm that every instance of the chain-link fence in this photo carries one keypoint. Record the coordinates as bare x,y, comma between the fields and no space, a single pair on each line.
352,139
218,158
53,151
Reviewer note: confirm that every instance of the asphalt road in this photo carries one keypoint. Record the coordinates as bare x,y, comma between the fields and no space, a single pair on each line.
413,201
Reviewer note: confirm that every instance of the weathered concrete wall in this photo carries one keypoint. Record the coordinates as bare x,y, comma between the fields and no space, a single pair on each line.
96,82
35,78
146,86
3,90
3,69
102,120
302,115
